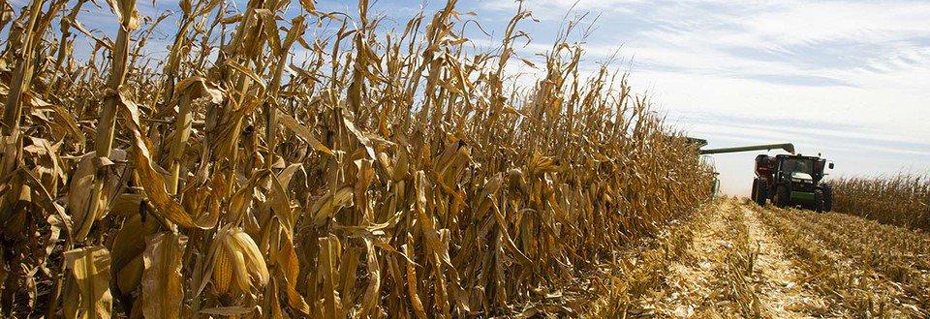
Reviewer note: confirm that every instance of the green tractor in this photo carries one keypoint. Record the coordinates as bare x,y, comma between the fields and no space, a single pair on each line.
792,180
787,180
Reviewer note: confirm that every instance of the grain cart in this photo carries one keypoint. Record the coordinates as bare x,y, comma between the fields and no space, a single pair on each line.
791,180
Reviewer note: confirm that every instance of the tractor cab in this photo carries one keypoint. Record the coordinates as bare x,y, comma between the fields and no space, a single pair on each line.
799,172
798,169
802,168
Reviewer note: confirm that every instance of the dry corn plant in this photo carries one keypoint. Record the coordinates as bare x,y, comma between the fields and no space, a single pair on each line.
385,175
901,200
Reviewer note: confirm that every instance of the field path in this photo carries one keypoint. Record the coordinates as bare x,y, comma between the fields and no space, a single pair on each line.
734,259
780,292
735,268
691,277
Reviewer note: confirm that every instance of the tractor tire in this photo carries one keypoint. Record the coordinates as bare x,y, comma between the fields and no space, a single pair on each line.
761,194
818,201
755,190
827,198
782,196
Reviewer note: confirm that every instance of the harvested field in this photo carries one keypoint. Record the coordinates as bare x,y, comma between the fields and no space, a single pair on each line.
742,261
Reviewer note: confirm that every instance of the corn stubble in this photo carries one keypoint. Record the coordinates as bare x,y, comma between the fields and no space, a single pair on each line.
900,200
866,269
384,175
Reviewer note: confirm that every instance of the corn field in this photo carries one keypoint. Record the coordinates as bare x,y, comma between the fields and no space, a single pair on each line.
902,199
387,174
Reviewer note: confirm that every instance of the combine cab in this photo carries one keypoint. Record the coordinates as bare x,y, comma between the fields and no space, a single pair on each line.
792,180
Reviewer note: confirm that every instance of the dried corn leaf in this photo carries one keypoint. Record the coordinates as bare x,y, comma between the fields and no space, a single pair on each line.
374,273
290,266
81,190
162,291
89,270
154,183
303,132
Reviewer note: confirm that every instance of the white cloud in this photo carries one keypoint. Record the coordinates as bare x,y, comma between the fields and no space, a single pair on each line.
857,72
806,22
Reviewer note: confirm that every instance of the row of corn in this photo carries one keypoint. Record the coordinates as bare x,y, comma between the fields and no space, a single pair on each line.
902,199
275,165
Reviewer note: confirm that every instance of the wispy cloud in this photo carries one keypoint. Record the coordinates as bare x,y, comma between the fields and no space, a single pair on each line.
847,78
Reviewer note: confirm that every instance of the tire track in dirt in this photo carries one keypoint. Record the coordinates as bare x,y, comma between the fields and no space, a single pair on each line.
691,291
777,278
703,282
697,283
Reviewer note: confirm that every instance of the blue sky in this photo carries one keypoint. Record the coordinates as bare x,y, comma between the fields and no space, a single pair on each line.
849,79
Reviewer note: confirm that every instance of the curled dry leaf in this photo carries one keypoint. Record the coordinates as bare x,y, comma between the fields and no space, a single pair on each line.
79,192
127,252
